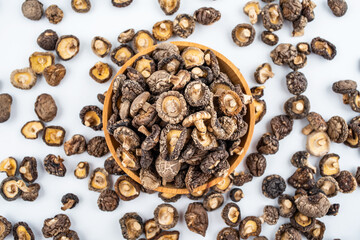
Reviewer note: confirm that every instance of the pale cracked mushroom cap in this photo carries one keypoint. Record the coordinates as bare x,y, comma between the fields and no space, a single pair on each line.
318,143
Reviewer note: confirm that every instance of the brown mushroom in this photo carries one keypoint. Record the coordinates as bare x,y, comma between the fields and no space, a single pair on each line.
337,129
329,165
152,138
197,94
28,169
82,170
263,73
270,215
315,206
260,109
287,206
228,233
142,40
213,201
166,216
40,60
163,30
131,226
184,25
67,47
272,17
99,180
316,123
100,46
167,169
151,229
9,165
231,214
30,192
169,7
317,232
127,138
353,139
347,182
286,231
230,103
250,226
328,185
196,218
301,159
318,143
193,57
302,222
252,9
126,188
243,34
171,107
127,159
149,179
302,178
172,141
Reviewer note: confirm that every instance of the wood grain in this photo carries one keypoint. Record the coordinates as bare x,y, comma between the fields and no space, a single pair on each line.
235,76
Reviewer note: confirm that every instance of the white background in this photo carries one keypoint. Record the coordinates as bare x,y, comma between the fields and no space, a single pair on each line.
18,41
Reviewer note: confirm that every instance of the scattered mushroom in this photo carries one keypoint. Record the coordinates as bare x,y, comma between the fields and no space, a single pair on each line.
184,25
23,79
250,226
67,47
82,170
131,226
301,159
53,226
213,201
126,188
287,231
9,189
207,15
273,186
263,73
297,107
69,201
99,180
328,185
301,222
243,34
337,129
28,169
270,215
231,214
236,194
252,9
169,7
108,200
32,9
329,165
81,6
54,165
22,230
338,7
315,206
269,38
166,216
347,182
9,165
323,48
272,17
287,206
6,227
196,218
318,143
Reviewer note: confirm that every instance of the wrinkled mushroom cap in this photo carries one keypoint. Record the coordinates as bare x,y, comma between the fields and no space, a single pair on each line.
313,206
171,107
250,226
193,57
166,216
230,103
231,214
286,231
243,34
328,185
252,9
337,129
263,73
127,137
316,123
318,143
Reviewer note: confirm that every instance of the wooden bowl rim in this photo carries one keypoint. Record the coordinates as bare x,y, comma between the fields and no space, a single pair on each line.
247,138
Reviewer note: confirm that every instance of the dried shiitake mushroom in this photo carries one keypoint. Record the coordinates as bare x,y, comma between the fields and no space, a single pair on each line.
82,170
231,214
291,9
296,82
40,60
337,129
54,14
303,47
213,201
333,210
299,27
54,165
121,54
318,143
81,6
287,231
287,206
54,74
166,216
9,165
353,139
301,159
131,226
315,206
273,186
250,226
256,164
298,62
228,233
297,107
323,48
272,17
30,192
121,3
268,144
281,126
112,167
9,189
196,218
283,54
354,101
184,25
171,107
126,36
101,72
5,107
67,47
347,182
128,159
53,226
269,38
301,222
193,57
99,180
23,78
316,123
171,235
142,40
151,229
21,230
329,165
308,9
100,46
54,135
328,185
5,227
263,73
28,169
32,9
144,65
126,188
252,9
243,34
91,116
169,7
45,107
236,194
260,109
163,30
196,195
317,232
169,197
75,145
97,147
108,200
70,234
338,7
69,201
344,86
302,178
240,178
207,15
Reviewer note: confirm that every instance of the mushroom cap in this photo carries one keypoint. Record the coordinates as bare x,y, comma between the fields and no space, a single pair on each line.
318,143
317,122
171,107
230,103
329,165
250,226
287,231
193,118
344,86
138,103
347,182
328,185
337,129
287,206
315,206
270,215
167,169
127,137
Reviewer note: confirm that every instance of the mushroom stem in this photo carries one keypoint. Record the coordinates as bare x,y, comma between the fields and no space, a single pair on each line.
22,186
144,130
326,186
146,106
307,129
252,15
200,125
138,152
68,204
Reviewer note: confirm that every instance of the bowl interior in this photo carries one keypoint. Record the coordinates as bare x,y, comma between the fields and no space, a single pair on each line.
235,76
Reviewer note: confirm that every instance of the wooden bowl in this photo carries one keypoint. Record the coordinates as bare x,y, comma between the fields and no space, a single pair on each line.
235,76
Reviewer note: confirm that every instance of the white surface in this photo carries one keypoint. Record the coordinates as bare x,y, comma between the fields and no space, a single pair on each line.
18,41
